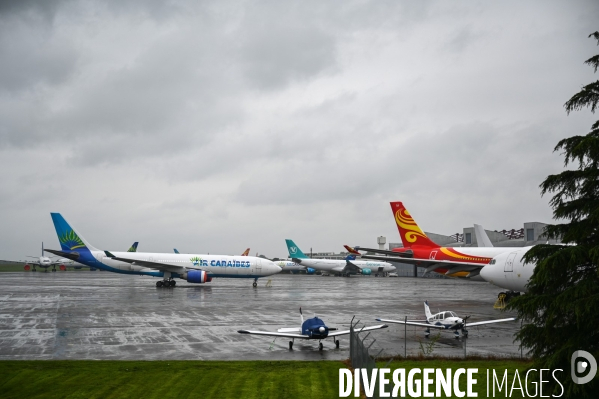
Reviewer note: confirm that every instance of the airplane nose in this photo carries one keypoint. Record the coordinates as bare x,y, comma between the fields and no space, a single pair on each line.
274,269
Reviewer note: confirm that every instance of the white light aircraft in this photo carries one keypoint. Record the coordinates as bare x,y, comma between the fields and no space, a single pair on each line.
343,267
444,321
313,328
168,266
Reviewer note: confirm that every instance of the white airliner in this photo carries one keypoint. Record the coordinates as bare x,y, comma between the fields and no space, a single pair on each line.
509,271
313,328
445,320
191,267
343,267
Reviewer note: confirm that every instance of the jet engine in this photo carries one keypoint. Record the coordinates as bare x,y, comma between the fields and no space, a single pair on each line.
366,272
309,270
198,277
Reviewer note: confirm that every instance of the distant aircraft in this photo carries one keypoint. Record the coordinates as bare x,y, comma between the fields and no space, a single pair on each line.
290,266
133,247
419,250
343,267
313,328
445,321
190,267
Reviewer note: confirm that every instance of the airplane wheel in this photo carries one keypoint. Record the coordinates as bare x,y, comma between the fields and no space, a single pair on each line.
173,283
254,284
337,344
320,346
290,345
158,284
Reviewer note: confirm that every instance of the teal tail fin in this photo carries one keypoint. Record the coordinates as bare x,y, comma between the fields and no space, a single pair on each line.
133,247
294,251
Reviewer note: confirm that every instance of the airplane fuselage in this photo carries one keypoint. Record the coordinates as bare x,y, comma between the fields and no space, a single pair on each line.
508,270
215,265
336,265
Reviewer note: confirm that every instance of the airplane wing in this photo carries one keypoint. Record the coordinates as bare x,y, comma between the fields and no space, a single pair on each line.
412,323
351,268
274,334
290,330
153,265
431,264
480,323
345,332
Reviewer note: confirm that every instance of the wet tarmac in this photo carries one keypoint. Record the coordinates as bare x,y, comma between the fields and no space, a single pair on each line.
101,315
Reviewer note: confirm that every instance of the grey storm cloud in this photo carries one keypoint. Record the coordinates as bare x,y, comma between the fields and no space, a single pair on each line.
218,125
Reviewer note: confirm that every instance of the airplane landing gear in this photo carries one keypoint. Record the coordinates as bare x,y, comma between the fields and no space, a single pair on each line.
427,333
166,283
337,344
255,284
457,334
290,345
320,346
464,333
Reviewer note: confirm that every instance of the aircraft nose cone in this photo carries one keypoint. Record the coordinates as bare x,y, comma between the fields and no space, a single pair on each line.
321,329
274,268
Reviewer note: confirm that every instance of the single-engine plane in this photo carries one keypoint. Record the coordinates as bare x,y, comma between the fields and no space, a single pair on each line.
313,328
445,320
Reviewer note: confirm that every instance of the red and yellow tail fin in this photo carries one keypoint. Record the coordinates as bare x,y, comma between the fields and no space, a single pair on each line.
352,251
409,231
246,252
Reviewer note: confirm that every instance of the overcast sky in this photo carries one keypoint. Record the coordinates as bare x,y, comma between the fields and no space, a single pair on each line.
217,126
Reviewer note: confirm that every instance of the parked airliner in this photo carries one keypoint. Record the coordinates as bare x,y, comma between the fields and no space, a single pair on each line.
509,271
343,267
420,250
195,268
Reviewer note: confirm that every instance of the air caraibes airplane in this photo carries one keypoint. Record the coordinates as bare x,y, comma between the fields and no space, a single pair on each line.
419,250
195,268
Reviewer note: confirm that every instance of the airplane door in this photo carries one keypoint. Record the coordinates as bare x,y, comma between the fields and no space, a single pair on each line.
509,263
258,267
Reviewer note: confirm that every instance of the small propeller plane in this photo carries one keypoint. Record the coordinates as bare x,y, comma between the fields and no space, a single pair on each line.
313,328
445,320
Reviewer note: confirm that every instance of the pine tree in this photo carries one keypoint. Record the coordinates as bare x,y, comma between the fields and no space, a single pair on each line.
561,307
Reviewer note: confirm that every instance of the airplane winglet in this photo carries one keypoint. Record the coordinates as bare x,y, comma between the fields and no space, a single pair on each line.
109,254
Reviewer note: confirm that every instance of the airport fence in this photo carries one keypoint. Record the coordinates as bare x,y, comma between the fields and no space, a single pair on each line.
359,356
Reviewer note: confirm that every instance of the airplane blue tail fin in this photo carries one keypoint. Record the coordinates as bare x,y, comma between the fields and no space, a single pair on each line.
133,247
350,257
175,249
68,237
294,251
